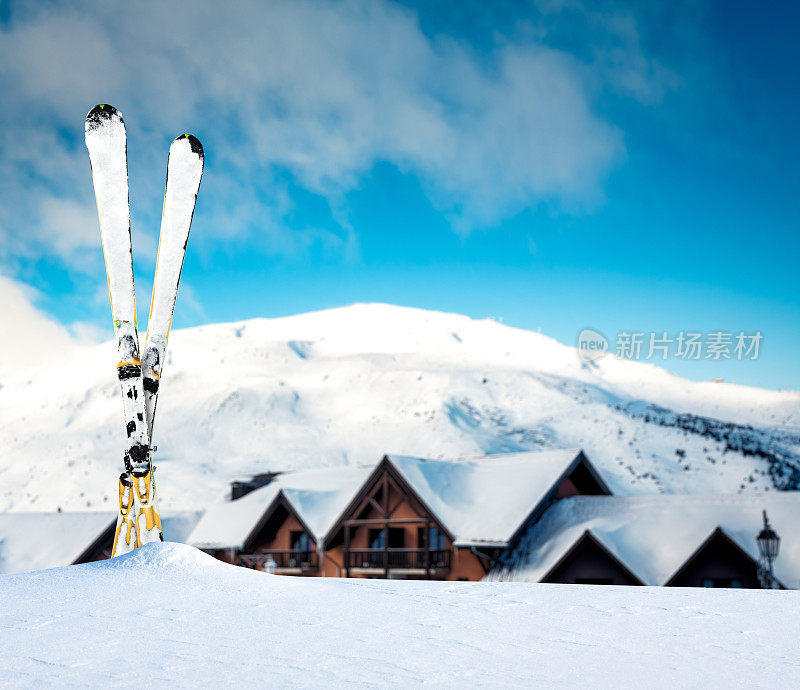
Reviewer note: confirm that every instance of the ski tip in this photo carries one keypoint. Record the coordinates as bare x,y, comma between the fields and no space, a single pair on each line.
101,114
194,144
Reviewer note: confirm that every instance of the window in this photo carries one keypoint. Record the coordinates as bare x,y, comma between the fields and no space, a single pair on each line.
299,541
397,538
376,539
436,539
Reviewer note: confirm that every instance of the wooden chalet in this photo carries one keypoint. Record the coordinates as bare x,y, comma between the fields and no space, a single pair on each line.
406,517
450,519
539,516
665,540
388,530
280,527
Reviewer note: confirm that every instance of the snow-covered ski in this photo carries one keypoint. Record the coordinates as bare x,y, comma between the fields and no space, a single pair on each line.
107,144
184,170
138,519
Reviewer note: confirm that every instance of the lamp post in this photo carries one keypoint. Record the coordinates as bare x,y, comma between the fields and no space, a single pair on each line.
768,545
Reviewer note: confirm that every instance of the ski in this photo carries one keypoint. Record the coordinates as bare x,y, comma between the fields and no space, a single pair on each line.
184,171
138,519
107,144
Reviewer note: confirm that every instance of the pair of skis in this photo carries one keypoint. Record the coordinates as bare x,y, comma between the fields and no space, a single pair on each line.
138,520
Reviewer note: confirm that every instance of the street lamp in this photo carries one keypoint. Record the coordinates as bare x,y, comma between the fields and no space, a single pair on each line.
768,545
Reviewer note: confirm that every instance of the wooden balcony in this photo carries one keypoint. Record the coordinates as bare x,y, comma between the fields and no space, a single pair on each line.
286,560
417,561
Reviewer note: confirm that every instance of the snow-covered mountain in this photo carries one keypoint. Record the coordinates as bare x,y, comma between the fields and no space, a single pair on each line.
347,385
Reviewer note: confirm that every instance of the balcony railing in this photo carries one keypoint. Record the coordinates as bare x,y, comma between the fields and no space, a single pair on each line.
284,559
397,559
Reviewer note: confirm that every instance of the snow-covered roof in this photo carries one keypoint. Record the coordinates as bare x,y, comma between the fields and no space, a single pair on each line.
653,536
318,497
35,541
480,501
485,500
177,525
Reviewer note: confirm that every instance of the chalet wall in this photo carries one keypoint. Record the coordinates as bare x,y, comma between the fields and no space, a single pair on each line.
359,537
225,555
566,489
333,563
281,538
466,566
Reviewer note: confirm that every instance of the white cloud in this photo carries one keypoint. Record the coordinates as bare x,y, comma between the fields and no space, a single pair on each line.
30,337
69,226
322,89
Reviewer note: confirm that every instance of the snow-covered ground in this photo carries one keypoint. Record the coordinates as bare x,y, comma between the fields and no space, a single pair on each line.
168,615
344,386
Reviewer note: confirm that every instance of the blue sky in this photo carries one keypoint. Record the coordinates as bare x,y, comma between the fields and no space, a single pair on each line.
556,164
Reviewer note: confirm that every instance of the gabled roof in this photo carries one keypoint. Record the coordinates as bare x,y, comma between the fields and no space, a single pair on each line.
35,541
587,536
485,501
655,535
717,535
317,497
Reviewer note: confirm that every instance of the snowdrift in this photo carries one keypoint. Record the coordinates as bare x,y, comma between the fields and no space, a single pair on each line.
169,614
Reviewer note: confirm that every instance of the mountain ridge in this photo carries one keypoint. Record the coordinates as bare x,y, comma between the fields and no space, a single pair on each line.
346,385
